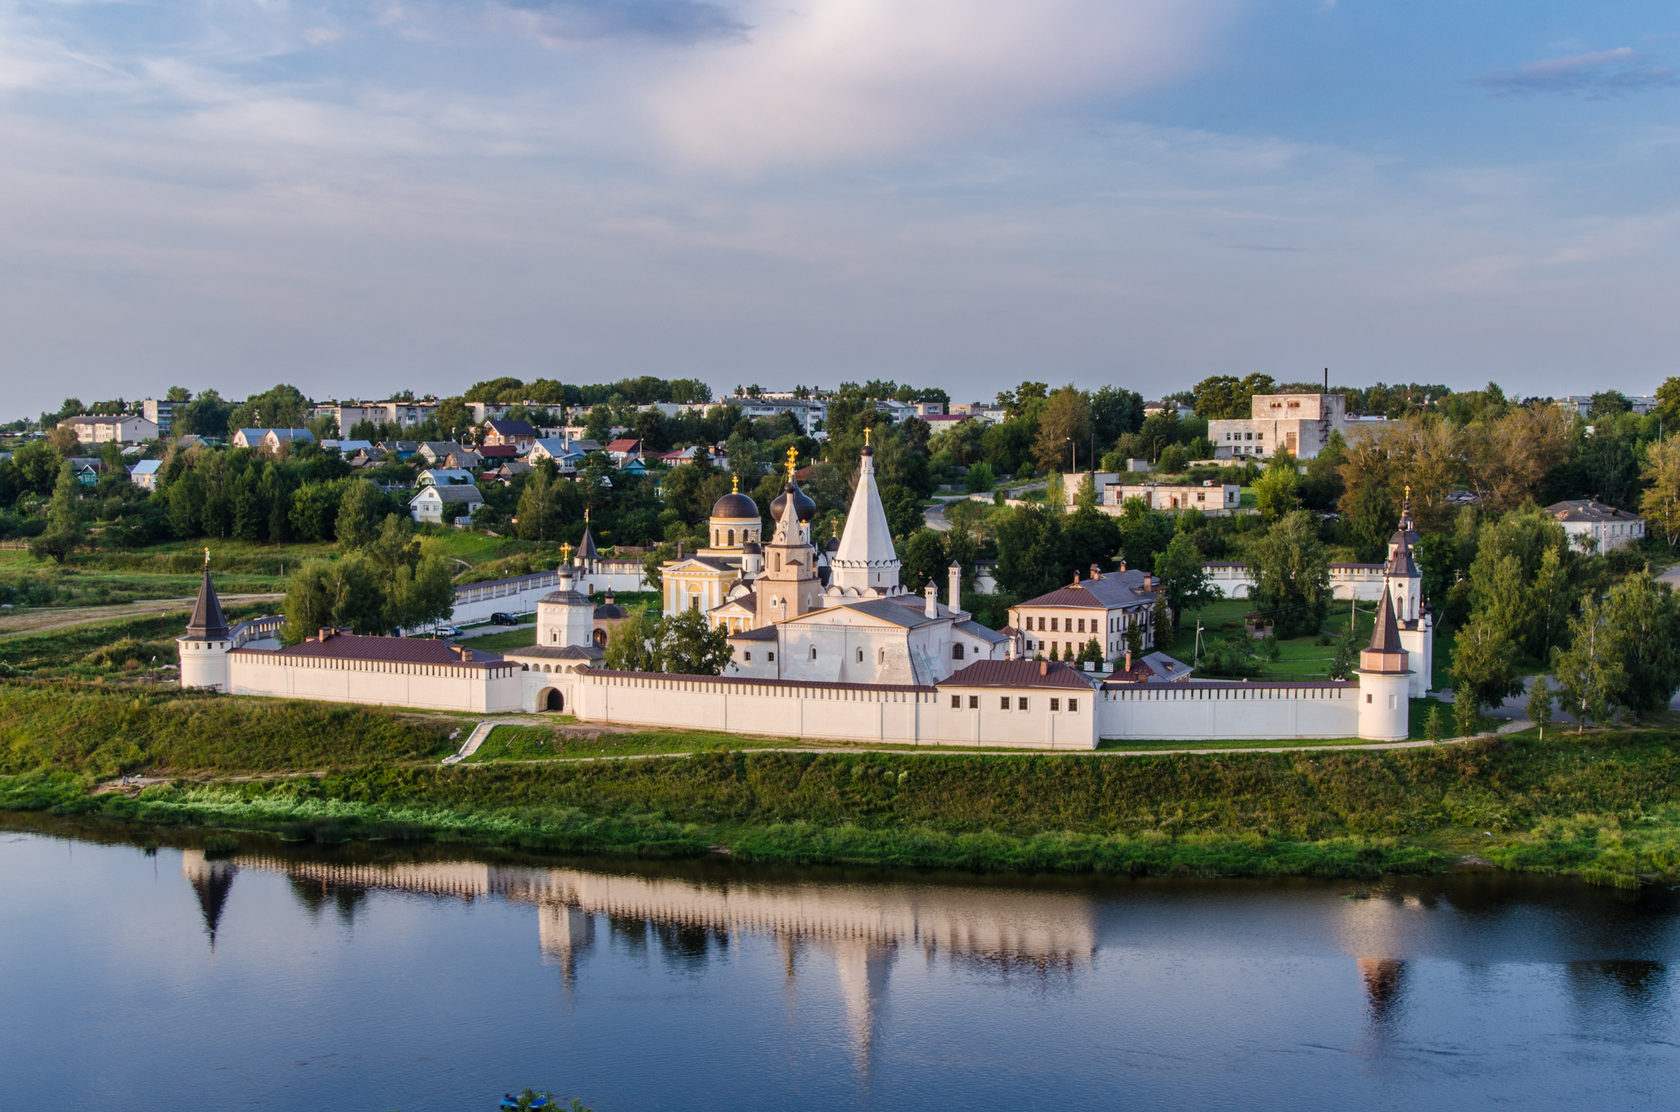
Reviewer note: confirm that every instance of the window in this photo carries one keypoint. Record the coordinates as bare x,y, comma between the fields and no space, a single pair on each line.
956,702
694,602
732,537
1073,706
860,656
1022,701
974,702
881,658
1367,697
749,656
956,652
771,657
1052,625
1006,702
1055,704
1081,625
813,652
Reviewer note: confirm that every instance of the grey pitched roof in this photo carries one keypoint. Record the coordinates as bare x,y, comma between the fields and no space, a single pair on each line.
762,633
454,492
1109,591
559,652
1385,638
586,546
975,629
1587,509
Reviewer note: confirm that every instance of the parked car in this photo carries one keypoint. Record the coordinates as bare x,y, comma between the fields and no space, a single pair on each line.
502,618
446,631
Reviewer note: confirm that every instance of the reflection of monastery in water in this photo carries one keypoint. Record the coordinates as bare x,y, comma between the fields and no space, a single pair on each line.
863,927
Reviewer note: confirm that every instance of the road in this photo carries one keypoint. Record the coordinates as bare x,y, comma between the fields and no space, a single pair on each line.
64,617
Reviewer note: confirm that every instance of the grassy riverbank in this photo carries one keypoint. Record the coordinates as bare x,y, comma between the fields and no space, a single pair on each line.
1606,806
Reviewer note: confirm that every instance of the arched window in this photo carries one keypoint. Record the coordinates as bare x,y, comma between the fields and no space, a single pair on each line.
881,657
732,538
813,652
956,652
778,561
860,656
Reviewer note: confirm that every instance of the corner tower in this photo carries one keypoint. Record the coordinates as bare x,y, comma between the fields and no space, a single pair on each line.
1403,588
206,643
1384,712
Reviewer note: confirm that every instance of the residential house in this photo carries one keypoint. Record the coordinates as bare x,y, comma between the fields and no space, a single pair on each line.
145,474
555,448
624,449
520,434
429,505
270,440
86,469
442,476
122,428
434,452
1221,498
399,450
1597,527
1103,606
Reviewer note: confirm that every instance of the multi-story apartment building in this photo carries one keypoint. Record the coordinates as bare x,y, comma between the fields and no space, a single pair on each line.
1298,423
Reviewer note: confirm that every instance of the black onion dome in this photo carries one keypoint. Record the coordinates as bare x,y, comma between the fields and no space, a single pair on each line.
735,505
802,504
609,610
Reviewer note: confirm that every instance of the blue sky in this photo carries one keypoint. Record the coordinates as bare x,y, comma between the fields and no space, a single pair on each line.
358,197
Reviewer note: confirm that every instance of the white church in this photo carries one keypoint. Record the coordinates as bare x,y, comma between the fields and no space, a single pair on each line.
827,646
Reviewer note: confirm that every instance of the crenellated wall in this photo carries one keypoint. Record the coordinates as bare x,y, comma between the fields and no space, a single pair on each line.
494,689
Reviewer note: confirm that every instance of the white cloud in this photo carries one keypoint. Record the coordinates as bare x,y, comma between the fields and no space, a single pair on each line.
835,81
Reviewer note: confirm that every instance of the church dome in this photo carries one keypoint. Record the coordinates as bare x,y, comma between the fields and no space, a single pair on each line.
609,610
802,504
735,506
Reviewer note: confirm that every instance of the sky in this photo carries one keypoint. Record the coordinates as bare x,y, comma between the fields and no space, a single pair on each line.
363,197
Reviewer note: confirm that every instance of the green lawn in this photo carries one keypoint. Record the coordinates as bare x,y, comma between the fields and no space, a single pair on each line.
1299,658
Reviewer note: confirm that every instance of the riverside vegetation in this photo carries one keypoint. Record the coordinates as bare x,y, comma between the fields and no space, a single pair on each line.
1604,805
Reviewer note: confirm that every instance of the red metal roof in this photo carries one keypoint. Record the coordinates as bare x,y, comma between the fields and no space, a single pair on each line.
391,650
1017,673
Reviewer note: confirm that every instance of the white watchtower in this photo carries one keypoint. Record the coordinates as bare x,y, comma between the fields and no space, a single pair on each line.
205,645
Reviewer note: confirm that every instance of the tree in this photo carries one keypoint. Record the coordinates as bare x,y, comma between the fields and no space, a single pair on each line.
1144,533
1291,576
1278,490
64,519
420,595
1091,652
1661,501
1434,726
630,647
1539,706
334,593
1589,671
1227,397
539,503
924,559
1032,552
1346,657
1467,714
1484,662
1642,617
1065,418
689,644
1185,582
903,510
359,513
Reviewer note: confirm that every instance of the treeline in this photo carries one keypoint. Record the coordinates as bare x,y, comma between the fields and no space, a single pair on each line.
642,390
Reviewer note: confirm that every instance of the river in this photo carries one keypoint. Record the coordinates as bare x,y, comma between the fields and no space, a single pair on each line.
378,978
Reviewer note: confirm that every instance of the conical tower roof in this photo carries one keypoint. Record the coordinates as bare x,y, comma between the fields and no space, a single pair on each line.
866,557
586,547
1385,638
207,622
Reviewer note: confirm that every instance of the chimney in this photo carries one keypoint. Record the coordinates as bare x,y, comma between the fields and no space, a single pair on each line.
1148,581
953,587
323,633
1122,563
932,608
1096,572
1076,575
1044,667
1128,662
679,550
1327,380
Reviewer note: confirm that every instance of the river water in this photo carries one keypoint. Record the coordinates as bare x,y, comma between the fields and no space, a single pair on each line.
375,979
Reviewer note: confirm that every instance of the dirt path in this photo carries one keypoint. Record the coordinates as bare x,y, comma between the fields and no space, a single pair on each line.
64,617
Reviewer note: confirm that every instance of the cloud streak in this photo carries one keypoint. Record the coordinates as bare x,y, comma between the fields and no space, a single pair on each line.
1597,75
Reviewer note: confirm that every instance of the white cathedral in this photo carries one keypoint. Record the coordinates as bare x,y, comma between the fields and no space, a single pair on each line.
839,615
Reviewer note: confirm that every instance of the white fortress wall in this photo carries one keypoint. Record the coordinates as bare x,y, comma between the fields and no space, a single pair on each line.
1358,581
475,602
1203,710
496,689
866,713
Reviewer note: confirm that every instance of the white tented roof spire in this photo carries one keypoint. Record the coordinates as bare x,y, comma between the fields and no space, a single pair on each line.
866,559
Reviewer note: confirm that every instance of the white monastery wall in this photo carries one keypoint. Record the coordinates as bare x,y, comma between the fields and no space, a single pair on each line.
477,601
1258,711
496,690
1358,581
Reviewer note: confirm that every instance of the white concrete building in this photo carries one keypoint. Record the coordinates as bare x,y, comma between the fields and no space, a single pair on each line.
1596,526
122,428
1298,423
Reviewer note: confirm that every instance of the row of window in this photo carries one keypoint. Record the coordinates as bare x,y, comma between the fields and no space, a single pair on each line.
1020,703
1076,625
1245,436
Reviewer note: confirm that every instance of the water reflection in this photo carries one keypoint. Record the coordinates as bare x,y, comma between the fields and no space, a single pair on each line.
863,929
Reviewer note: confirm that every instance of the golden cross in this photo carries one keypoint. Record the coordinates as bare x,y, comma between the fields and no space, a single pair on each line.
565,553
793,462
1408,492
867,429
206,557
735,484
586,515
